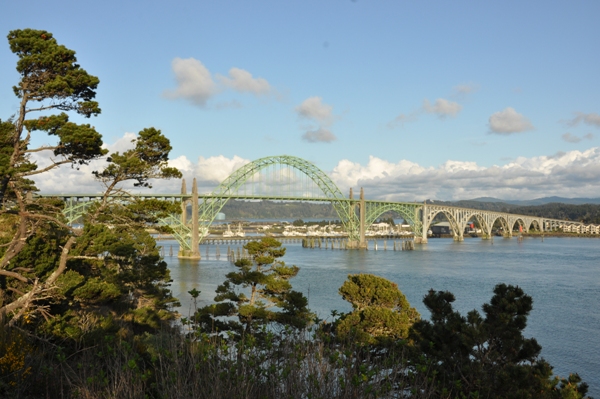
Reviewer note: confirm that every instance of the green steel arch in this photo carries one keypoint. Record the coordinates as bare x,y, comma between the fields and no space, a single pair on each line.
408,211
227,189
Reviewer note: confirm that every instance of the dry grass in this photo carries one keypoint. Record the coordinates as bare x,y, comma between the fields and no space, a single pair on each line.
169,365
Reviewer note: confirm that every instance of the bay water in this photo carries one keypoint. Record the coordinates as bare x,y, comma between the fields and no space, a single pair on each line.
561,274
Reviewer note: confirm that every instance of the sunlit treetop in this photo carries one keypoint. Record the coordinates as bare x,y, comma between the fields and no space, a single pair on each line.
49,71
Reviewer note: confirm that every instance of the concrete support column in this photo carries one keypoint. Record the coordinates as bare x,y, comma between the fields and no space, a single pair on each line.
183,203
352,242
508,233
459,217
195,225
486,229
363,215
424,225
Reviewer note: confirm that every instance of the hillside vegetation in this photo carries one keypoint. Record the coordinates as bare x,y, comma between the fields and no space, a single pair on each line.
586,213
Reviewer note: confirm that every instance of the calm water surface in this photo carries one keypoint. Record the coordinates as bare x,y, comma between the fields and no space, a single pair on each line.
561,274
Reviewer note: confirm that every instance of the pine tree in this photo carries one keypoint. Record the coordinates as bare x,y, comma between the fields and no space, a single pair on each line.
486,357
54,278
258,294
381,312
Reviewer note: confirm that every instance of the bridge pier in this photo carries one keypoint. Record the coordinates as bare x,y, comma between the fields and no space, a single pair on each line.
424,225
363,214
195,234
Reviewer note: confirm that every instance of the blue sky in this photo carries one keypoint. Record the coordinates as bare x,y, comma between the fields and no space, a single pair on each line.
410,100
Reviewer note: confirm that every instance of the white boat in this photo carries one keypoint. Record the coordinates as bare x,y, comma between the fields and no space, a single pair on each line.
240,232
228,233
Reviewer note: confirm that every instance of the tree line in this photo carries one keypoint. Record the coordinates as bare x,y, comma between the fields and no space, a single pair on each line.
586,213
88,313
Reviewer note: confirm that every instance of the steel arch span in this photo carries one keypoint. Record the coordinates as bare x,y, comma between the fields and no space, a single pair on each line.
408,211
214,202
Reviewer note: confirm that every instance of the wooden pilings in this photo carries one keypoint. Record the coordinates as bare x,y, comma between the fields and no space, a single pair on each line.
342,243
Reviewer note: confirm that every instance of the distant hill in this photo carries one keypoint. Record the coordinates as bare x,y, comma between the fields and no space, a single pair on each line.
540,201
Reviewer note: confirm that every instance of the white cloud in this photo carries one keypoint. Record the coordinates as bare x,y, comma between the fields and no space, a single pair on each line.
509,121
566,174
592,119
313,109
194,82
65,179
209,172
442,108
242,81
321,135
570,174
122,144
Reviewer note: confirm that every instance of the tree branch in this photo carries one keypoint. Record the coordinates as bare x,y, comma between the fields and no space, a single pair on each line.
25,300
37,172
43,108
42,149
17,276
45,217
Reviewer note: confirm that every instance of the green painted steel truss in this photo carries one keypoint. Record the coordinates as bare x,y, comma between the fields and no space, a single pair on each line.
409,211
213,203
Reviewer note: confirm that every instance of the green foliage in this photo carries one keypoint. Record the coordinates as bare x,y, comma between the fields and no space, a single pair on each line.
50,71
77,143
110,274
50,79
260,284
146,161
483,357
381,312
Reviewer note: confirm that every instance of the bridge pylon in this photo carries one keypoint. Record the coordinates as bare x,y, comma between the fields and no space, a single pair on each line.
424,221
359,242
194,253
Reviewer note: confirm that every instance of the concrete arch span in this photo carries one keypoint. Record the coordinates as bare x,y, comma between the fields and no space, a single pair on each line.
527,223
535,224
486,229
455,225
506,231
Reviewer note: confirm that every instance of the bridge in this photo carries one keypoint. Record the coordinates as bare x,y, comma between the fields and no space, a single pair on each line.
288,178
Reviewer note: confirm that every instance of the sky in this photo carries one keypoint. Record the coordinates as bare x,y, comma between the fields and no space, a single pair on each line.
410,100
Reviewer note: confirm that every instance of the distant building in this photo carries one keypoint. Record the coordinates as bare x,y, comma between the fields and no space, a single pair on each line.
220,216
441,228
